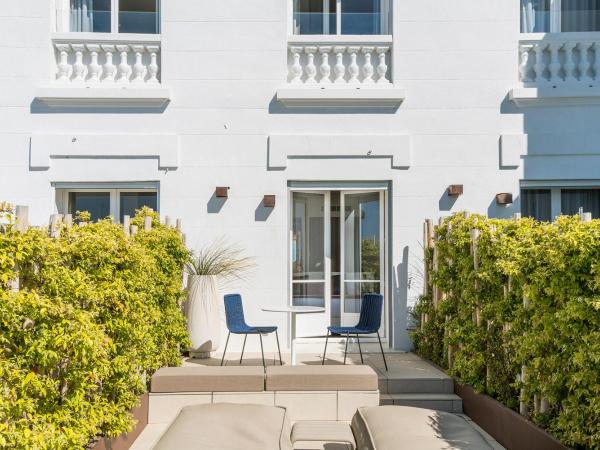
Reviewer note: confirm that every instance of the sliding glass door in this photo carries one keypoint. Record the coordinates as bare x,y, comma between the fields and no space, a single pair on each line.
337,253
555,16
362,250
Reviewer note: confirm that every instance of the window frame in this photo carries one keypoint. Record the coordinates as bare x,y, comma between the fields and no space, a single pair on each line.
556,188
63,12
63,205
292,4
555,19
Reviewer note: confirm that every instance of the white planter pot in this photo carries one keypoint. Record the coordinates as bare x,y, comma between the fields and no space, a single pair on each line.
203,316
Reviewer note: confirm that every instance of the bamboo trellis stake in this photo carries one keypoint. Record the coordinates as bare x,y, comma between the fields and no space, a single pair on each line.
22,218
127,225
68,221
147,223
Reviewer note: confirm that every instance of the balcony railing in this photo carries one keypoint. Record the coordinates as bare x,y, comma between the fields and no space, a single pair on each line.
91,60
339,61
562,59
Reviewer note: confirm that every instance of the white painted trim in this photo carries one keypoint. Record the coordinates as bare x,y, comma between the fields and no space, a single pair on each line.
397,147
108,38
559,183
45,147
559,96
322,39
338,185
101,97
341,96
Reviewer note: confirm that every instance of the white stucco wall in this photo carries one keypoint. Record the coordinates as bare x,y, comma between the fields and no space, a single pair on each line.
223,62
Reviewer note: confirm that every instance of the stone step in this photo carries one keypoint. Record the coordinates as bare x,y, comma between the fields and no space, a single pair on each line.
404,385
441,402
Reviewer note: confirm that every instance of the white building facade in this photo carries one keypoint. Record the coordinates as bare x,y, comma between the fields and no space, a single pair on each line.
337,127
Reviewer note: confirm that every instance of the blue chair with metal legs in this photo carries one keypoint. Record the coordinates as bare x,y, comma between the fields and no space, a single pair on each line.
236,324
368,323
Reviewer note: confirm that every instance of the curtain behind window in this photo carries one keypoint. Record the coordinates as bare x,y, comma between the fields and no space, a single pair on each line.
82,15
580,15
535,16
536,203
588,199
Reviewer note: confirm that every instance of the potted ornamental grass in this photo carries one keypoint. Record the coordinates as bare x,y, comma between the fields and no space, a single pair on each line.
215,265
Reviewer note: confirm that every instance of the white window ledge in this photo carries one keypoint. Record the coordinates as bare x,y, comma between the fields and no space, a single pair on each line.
555,96
341,96
109,97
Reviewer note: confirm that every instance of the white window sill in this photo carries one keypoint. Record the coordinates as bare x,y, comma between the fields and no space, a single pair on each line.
341,38
386,96
555,96
70,37
102,96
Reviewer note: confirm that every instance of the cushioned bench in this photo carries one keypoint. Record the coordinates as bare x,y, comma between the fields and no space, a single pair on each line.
407,428
309,435
228,427
307,392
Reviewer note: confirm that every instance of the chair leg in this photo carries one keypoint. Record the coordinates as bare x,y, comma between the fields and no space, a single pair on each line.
278,348
382,353
262,351
243,347
325,351
359,349
225,349
346,349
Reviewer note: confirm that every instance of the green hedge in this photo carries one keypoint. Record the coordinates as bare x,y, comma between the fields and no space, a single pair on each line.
97,314
533,301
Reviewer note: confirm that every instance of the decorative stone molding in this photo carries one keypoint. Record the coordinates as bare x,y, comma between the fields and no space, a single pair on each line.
45,147
340,71
395,147
558,69
97,69
512,148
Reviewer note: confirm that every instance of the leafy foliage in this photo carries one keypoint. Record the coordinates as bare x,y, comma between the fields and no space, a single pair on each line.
97,313
534,301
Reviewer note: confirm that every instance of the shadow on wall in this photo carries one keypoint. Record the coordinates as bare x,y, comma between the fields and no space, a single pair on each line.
398,319
447,201
215,204
262,213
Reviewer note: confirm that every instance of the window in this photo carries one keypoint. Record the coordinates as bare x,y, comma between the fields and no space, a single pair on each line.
358,17
102,203
115,16
536,203
545,204
553,16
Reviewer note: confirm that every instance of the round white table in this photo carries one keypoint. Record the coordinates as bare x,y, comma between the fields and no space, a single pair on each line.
293,311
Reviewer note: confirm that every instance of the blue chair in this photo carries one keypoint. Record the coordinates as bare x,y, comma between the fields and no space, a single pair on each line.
368,323
234,314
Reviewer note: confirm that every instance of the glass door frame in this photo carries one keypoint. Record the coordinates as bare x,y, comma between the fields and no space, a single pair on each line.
384,256
350,319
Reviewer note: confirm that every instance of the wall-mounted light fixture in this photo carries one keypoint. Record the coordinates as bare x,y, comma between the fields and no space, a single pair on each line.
504,198
222,192
269,201
454,190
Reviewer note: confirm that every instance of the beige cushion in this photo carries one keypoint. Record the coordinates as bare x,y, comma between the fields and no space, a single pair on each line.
403,427
209,379
228,426
321,378
315,434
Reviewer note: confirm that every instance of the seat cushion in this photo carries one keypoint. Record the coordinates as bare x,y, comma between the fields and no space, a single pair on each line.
209,379
228,426
316,434
404,427
321,378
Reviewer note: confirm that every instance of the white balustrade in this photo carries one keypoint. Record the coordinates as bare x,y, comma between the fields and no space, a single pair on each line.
560,60
340,63
81,61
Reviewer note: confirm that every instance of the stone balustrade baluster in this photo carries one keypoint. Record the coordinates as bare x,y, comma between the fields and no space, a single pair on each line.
139,70
63,67
596,61
109,68
296,69
310,69
94,68
79,68
585,61
339,69
153,66
382,68
368,69
540,66
325,68
353,69
124,69
570,66
554,66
